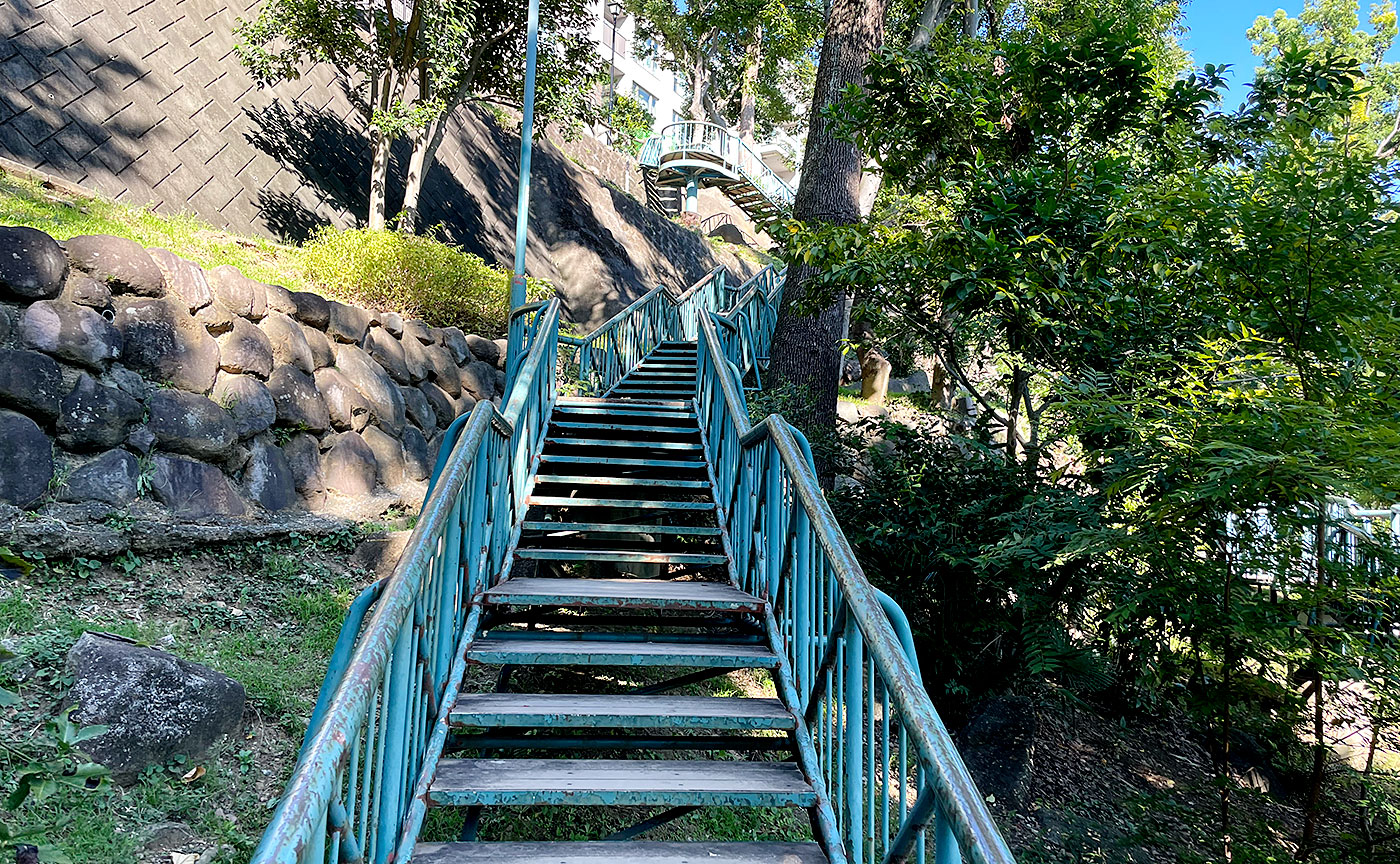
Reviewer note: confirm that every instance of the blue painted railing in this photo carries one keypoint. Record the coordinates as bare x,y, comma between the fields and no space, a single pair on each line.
895,780
611,352
704,145
358,791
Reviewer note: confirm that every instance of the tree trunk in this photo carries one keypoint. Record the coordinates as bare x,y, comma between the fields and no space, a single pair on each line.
806,344
748,103
425,147
378,180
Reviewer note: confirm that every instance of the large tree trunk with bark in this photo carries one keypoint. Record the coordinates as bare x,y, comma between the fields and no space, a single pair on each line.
748,96
806,344
378,180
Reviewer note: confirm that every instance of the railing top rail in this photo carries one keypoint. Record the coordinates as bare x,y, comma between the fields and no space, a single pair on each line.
312,785
971,820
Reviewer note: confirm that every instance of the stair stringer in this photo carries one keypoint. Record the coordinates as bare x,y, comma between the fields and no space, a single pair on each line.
823,815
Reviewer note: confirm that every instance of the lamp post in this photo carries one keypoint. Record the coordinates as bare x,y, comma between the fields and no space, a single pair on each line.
515,335
614,10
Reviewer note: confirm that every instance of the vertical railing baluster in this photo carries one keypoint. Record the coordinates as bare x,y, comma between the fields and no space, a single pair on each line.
854,660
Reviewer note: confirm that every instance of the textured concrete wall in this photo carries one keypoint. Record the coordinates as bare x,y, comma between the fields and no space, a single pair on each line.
144,101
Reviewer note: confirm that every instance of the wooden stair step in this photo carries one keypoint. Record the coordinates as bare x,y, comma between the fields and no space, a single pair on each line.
602,480
563,529
613,852
622,594
583,411
602,401
608,442
542,651
620,556
690,429
572,711
629,503
627,462
620,782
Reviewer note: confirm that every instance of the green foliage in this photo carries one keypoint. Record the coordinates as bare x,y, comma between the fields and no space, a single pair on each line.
631,124
54,762
417,275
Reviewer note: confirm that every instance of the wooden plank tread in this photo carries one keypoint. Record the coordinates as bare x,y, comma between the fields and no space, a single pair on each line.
596,652
631,593
603,480
564,528
627,427
626,556
629,503
604,782
627,462
610,442
572,711
627,852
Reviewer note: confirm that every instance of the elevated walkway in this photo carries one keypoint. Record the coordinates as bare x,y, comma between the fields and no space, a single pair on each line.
690,155
584,571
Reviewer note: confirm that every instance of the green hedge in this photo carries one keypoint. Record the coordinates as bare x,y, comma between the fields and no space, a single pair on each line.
413,275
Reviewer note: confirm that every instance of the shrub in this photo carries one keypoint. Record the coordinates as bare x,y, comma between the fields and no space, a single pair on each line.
413,275
631,122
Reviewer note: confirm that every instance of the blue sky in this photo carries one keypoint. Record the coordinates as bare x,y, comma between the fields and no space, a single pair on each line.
1217,28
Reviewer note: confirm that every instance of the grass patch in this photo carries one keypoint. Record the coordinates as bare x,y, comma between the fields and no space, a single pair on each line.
266,613
24,202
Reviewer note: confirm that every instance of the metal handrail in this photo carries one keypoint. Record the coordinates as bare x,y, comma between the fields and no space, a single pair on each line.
358,791
896,776
620,343
691,137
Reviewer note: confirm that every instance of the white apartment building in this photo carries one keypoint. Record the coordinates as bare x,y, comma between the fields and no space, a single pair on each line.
634,72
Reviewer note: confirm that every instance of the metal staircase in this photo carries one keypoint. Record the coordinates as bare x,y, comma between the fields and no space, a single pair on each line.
598,560
691,154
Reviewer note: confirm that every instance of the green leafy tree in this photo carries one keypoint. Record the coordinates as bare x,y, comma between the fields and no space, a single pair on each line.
413,65
1333,28
631,123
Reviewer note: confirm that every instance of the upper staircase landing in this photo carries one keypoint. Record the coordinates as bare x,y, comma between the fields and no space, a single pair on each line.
711,155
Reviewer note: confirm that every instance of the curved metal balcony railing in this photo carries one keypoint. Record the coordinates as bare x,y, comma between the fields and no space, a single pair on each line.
694,141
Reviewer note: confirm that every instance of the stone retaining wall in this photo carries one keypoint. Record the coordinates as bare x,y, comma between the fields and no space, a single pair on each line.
131,378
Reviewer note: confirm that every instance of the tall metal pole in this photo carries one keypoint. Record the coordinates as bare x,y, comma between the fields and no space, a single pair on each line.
522,203
614,9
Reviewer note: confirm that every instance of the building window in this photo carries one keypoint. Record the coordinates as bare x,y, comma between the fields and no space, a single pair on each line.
678,117
646,51
648,101
678,85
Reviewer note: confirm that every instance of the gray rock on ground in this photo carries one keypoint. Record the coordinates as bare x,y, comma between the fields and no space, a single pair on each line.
31,383
155,706
94,416
242,296
415,356
442,370
26,460
162,340
500,360
194,489
245,349
268,477
455,341
299,403
313,310
247,401
388,455
347,324
183,279
380,554
347,406
84,290
288,343
418,409
349,466
479,380
279,299
388,352
111,478
374,384
393,322
418,330
122,264
190,424
482,349
32,264
417,465
77,334
322,352
303,454
216,319
443,405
